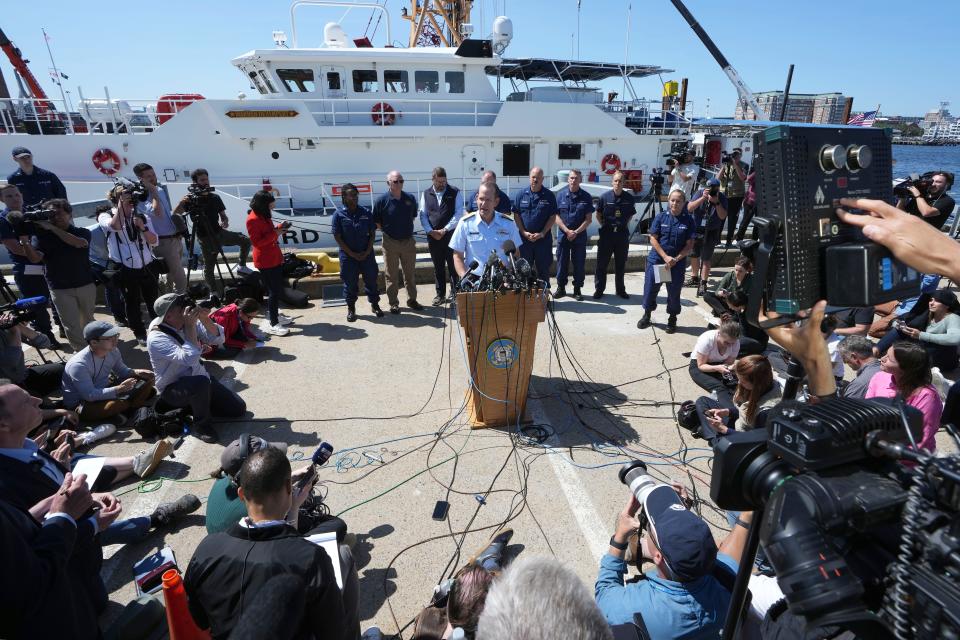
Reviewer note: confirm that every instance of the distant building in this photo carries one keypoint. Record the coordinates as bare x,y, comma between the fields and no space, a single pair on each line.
819,108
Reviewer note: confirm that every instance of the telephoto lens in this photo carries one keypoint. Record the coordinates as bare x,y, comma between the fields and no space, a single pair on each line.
634,475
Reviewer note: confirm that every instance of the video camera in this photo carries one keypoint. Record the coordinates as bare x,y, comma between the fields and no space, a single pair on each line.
23,310
858,541
922,184
198,191
23,221
136,190
199,295
657,177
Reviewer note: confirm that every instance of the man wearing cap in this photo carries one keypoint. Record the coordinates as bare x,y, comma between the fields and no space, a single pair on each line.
174,345
709,209
35,184
682,596
86,379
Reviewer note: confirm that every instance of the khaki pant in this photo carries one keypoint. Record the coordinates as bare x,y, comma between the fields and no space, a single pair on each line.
171,250
93,411
400,254
75,306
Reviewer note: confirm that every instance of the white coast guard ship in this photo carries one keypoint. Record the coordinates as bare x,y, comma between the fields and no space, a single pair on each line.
350,112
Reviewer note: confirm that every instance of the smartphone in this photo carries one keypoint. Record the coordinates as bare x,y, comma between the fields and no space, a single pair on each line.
440,510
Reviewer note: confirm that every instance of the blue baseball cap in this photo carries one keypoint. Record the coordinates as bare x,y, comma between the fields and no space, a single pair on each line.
684,539
20,152
713,182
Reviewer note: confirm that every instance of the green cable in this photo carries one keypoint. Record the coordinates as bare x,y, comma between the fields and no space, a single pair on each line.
396,486
154,484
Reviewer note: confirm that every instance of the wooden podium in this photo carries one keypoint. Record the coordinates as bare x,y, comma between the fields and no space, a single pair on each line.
501,334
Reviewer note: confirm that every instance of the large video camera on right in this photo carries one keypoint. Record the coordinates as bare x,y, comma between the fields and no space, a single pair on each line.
805,253
860,541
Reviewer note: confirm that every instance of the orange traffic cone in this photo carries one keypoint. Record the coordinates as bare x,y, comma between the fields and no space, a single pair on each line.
179,620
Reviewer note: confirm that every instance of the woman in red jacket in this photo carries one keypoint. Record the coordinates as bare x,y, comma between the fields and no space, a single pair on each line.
267,257
236,318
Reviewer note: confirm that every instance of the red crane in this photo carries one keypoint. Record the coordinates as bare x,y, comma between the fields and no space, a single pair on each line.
41,102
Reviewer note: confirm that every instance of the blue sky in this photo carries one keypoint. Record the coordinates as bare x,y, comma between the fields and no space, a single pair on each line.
866,49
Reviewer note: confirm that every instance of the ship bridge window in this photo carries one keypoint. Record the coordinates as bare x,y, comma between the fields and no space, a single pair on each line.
255,81
297,80
266,81
569,152
365,81
333,81
427,81
454,81
395,81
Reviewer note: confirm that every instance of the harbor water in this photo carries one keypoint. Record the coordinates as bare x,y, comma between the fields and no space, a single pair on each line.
910,159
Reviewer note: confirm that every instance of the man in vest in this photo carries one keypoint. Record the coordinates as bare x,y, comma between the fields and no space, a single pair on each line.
441,207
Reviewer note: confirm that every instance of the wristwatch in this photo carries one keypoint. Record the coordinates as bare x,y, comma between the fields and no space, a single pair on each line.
619,546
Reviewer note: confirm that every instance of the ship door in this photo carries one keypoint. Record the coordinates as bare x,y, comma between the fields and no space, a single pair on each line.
474,161
335,107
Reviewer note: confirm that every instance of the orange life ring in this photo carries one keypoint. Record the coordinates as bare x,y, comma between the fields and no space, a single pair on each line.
610,164
382,113
106,161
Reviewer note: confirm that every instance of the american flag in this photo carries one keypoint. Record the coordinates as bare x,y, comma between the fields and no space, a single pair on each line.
865,119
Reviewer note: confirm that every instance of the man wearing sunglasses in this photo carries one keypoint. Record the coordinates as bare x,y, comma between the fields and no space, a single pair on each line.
394,213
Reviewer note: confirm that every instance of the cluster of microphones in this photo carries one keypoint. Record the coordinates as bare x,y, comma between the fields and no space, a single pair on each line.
515,274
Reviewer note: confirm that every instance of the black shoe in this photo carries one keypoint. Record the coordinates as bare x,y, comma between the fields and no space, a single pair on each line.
644,322
577,295
702,289
207,434
494,551
671,325
560,292
413,304
351,313
62,331
623,294
438,301
170,512
452,297
597,295
377,311
395,309
692,281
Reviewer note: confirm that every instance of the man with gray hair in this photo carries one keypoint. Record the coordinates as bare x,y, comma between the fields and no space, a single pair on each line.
394,213
541,599
857,353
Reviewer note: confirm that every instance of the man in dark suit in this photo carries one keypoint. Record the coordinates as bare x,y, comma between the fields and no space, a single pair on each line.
42,595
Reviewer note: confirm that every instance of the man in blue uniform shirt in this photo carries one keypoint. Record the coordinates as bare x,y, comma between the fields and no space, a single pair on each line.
614,211
482,232
35,184
354,230
574,215
503,205
441,207
709,209
534,211
394,213
671,241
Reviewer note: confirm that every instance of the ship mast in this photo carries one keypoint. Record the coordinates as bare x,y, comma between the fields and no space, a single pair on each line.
438,22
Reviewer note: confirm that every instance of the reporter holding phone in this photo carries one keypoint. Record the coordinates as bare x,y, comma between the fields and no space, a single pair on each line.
267,257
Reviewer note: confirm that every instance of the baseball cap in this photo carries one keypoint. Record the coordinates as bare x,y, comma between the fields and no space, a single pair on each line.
99,329
162,304
713,182
21,151
684,539
233,455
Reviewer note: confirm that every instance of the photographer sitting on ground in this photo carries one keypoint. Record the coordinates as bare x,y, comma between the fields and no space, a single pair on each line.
86,378
682,596
130,237
933,205
736,281
210,222
756,392
175,349
66,256
710,360
227,566
237,319
936,328
40,379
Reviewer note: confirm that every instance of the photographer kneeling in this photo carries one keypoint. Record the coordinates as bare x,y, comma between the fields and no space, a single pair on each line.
175,348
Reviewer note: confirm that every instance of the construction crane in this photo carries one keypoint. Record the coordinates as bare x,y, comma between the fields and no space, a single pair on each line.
438,22
743,91
42,106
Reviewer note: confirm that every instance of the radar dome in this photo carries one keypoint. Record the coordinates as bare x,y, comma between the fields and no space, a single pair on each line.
334,36
502,33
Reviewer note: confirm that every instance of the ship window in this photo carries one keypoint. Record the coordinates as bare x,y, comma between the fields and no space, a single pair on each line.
454,80
266,81
297,80
395,81
569,152
255,80
365,81
427,81
333,81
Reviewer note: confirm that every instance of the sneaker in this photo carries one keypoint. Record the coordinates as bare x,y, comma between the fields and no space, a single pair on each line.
560,292
577,295
207,434
623,294
170,512
377,311
692,281
491,557
597,295
644,322
395,309
243,270
351,313
941,384
671,325
274,329
437,301
96,434
284,319
146,462
413,304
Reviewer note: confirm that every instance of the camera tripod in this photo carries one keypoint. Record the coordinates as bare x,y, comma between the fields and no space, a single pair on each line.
199,218
654,206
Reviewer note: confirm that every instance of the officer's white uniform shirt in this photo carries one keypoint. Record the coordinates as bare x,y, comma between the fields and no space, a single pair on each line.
475,239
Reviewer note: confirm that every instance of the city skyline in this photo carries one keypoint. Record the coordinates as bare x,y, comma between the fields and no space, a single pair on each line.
143,53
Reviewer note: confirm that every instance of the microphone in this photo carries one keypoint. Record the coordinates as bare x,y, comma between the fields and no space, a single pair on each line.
26,303
487,275
509,248
470,278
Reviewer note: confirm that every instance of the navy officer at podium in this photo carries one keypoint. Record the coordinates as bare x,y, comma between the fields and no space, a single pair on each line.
479,233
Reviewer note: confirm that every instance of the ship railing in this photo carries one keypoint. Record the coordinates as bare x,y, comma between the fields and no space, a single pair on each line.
393,110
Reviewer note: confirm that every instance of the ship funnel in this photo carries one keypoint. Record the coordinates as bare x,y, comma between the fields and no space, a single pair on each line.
334,36
502,34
